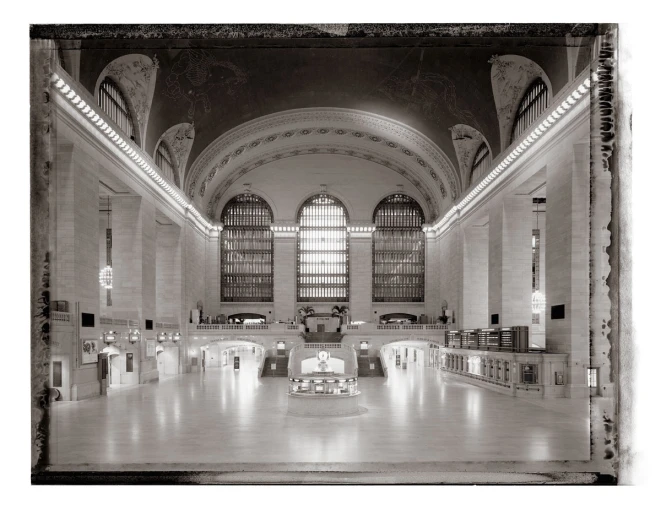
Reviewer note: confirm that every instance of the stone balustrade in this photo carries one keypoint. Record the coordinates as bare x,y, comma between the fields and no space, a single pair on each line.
361,329
279,328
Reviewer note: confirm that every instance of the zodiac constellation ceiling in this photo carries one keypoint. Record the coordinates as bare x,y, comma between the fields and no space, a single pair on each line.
190,79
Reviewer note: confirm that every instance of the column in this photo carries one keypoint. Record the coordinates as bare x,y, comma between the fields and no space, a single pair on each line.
134,271
510,262
193,266
284,270
567,262
168,273
432,269
475,302
538,331
360,278
74,262
212,278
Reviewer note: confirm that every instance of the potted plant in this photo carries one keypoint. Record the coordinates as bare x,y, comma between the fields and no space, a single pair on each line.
342,312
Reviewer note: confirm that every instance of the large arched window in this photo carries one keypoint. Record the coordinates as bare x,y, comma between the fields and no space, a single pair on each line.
481,163
398,251
113,102
246,267
323,251
534,102
164,160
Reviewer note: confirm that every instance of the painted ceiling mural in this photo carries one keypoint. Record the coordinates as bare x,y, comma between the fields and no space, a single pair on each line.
194,73
427,93
220,84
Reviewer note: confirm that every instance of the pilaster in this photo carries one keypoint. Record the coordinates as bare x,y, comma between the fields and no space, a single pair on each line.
567,263
360,256
284,269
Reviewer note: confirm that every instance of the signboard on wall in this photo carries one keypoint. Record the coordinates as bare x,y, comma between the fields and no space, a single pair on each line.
150,346
90,351
397,361
237,363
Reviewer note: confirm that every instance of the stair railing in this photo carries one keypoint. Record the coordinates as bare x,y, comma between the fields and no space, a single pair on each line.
384,367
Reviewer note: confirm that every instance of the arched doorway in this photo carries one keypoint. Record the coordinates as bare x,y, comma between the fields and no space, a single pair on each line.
167,360
409,355
114,366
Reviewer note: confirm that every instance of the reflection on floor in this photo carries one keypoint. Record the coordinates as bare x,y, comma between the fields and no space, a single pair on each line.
227,416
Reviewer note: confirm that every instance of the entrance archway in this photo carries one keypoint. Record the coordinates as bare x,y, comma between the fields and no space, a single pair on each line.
408,354
114,366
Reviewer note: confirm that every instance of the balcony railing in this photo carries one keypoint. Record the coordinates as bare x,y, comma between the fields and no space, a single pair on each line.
275,327
382,328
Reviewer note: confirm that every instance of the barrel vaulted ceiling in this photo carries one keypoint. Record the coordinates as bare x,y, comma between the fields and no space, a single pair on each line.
407,106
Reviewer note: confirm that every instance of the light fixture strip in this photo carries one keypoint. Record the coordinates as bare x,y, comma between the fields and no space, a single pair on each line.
535,134
93,117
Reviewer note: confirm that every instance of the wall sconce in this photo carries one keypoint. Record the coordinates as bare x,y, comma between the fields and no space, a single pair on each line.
161,337
134,336
176,337
109,337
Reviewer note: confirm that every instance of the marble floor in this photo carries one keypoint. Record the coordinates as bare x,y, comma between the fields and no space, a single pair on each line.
221,417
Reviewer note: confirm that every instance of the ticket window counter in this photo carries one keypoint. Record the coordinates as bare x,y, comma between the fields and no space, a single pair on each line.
323,386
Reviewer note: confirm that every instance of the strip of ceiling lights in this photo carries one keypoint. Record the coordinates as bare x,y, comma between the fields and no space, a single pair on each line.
572,99
128,147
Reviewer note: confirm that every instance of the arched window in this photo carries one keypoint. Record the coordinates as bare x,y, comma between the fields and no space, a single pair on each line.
246,269
481,163
323,251
165,162
534,102
398,251
112,101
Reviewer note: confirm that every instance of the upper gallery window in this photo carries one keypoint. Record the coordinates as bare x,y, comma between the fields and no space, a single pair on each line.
113,102
534,102
246,267
398,251
481,163
323,251
164,161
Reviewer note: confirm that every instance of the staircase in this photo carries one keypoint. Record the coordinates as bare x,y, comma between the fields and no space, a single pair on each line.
323,338
364,367
280,366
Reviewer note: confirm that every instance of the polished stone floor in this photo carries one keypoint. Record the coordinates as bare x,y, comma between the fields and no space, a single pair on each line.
222,416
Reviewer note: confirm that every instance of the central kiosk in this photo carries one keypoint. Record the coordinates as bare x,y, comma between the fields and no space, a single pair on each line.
323,392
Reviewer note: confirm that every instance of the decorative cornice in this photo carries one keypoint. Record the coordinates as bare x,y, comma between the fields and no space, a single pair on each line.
346,150
328,123
103,124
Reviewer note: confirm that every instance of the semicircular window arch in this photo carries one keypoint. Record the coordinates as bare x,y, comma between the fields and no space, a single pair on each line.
481,164
398,250
115,105
532,105
166,162
322,250
246,268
